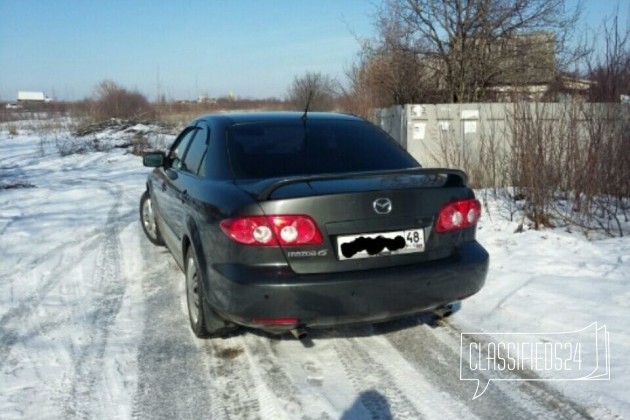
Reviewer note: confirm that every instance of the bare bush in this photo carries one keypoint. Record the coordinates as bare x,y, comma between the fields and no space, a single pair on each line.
357,97
571,166
114,101
73,145
315,89
563,164
483,159
610,69
450,150
494,156
139,144
602,186
534,160
176,114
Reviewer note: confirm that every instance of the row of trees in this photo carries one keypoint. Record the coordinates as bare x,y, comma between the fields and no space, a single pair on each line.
439,51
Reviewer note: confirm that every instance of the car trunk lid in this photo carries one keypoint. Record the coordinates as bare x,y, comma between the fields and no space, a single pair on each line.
362,216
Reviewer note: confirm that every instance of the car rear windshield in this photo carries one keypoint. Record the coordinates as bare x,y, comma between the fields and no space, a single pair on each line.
279,149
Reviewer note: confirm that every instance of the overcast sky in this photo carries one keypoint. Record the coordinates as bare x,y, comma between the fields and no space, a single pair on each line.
184,48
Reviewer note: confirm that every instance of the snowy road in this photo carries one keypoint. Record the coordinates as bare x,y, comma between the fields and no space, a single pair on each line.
93,321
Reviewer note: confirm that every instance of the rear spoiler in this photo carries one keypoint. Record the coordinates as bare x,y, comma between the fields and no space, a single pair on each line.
454,178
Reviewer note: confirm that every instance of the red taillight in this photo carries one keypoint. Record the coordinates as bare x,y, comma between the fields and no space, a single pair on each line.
275,321
295,230
458,215
285,230
249,230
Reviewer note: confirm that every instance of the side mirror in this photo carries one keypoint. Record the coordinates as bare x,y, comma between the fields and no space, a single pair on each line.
154,159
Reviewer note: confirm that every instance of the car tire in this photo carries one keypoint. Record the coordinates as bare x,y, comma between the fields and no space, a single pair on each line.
204,322
148,220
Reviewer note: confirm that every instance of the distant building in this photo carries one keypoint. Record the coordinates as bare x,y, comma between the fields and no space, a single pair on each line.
524,60
561,88
524,68
205,99
32,97
519,67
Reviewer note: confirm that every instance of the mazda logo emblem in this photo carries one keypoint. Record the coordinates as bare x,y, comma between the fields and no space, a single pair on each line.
382,205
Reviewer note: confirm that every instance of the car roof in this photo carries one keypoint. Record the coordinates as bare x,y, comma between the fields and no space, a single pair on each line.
275,116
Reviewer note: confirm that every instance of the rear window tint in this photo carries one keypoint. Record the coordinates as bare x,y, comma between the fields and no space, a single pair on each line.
261,150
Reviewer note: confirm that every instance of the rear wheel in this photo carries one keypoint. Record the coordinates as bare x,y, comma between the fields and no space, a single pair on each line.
147,219
203,320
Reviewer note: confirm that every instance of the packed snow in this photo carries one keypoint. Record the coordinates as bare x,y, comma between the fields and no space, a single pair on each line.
93,319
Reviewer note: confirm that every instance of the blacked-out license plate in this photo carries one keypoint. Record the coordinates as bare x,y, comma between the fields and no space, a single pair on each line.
380,244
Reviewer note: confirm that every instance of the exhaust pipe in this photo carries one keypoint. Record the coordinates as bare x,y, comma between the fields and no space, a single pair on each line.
444,311
299,333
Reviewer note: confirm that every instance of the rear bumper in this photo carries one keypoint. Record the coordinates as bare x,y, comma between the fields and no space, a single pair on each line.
243,293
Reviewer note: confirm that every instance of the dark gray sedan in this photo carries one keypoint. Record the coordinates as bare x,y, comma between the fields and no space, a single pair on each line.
284,221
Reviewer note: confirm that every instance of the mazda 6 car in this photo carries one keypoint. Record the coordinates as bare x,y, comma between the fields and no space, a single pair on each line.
288,221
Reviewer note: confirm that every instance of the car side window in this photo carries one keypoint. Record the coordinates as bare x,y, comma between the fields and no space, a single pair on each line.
176,154
194,159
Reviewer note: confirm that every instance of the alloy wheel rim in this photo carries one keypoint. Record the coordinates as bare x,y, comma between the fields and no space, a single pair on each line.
192,290
148,218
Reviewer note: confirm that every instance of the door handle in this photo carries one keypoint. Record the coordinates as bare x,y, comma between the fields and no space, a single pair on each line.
184,196
163,186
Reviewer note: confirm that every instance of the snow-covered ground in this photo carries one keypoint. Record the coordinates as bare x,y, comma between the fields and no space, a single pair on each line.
93,321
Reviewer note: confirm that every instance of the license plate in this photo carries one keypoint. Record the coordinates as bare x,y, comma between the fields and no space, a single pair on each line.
380,244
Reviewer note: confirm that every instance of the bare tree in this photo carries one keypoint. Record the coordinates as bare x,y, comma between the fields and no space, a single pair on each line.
316,89
388,71
610,70
462,47
357,97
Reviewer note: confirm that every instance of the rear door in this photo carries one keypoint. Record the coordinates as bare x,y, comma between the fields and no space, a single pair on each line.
189,183
169,188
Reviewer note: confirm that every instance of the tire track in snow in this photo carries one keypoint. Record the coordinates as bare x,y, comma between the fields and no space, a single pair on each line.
373,381
109,289
18,315
67,299
231,381
173,379
250,372
292,375
284,390
237,377
435,353
281,396
439,363
532,392
14,319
